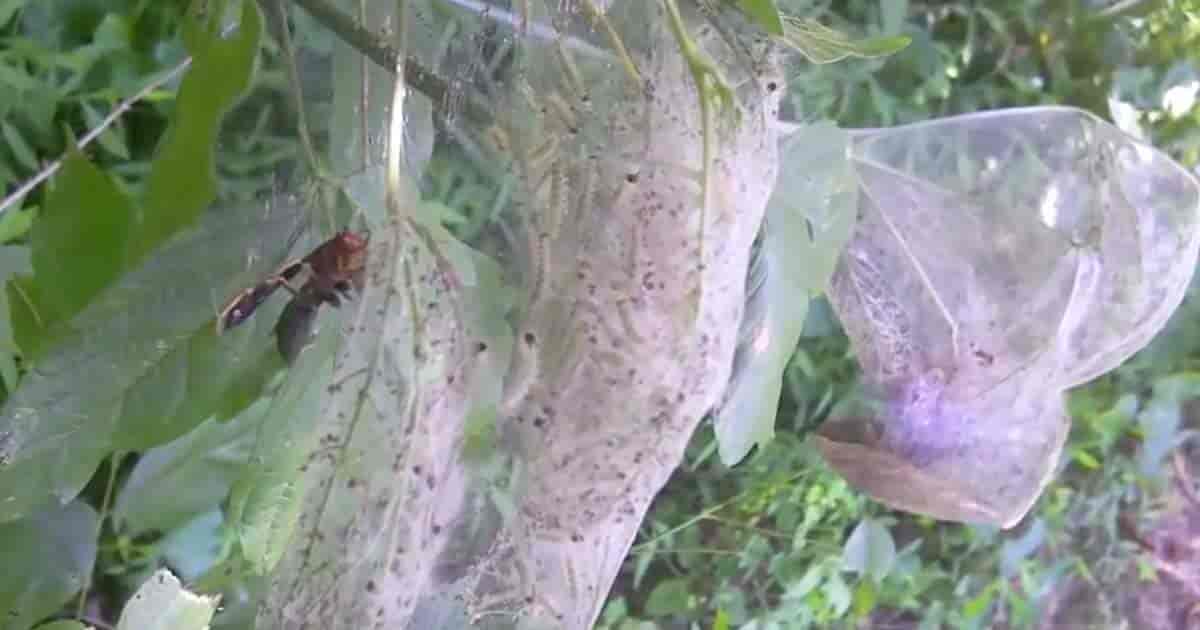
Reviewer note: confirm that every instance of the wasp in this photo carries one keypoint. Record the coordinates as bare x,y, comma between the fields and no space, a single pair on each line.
334,271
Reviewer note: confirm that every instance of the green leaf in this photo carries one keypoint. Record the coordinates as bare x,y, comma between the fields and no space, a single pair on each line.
15,222
870,550
47,558
670,597
161,603
173,483
810,217
151,338
979,604
821,44
892,14
265,501
23,312
20,149
721,620
191,548
838,594
1085,459
9,8
765,13
78,244
865,596
182,181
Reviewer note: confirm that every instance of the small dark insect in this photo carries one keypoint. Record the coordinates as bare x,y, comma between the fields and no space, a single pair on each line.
336,268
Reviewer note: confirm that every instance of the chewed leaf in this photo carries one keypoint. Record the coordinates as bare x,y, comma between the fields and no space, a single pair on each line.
162,603
1001,259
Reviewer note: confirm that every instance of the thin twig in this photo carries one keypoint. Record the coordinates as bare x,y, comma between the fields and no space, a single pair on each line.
114,464
117,112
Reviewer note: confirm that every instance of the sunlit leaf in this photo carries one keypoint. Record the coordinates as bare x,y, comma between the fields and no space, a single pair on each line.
161,603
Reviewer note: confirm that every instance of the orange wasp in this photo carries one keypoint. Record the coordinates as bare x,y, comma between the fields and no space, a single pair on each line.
335,269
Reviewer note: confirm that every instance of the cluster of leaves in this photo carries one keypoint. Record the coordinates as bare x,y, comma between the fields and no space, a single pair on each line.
107,344
779,541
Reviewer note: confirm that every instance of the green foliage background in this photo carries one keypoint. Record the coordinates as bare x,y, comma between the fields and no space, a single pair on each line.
775,542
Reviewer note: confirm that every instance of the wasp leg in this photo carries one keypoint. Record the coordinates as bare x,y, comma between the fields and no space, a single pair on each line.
243,305
285,274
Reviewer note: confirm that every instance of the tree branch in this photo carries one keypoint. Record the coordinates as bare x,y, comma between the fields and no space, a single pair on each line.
378,50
